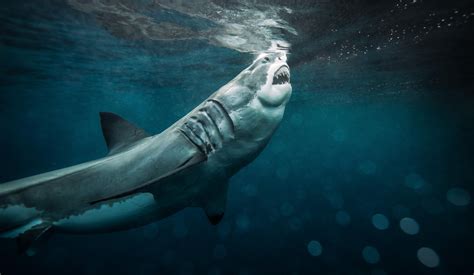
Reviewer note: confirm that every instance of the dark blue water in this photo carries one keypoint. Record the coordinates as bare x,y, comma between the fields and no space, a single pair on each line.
370,172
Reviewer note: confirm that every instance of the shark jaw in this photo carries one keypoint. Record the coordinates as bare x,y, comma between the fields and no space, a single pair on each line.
277,89
281,76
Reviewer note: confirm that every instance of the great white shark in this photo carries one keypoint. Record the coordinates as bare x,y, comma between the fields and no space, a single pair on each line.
147,178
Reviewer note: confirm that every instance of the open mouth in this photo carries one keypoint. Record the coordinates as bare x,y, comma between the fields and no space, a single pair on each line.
282,75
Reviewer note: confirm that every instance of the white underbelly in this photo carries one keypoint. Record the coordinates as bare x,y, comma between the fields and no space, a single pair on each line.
16,215
109,217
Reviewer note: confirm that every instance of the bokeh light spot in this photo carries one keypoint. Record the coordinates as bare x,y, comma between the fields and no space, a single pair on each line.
458,196
428,257
371,255
409,226
315,248
380,221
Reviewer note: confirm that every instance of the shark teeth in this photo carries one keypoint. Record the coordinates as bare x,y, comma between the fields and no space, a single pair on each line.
282,75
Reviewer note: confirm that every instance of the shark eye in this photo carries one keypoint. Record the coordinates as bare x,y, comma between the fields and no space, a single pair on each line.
266,59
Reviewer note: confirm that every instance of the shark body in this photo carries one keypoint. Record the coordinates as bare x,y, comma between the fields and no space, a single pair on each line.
146,178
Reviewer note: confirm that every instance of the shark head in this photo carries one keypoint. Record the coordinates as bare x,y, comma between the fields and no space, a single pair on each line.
255,102
269,77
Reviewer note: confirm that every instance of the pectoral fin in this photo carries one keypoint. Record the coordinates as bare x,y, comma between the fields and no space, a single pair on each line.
215,203
29,240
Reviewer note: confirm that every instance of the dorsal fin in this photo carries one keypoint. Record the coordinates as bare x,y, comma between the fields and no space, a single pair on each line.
119,133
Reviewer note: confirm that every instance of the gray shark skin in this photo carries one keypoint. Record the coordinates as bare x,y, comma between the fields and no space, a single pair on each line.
147,178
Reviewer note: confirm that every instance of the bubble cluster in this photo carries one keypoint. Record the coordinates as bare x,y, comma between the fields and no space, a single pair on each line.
387,32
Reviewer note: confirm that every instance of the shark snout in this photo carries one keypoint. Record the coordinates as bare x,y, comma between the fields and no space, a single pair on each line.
281,56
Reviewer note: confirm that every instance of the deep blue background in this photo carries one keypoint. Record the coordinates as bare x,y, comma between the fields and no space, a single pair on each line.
353,132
